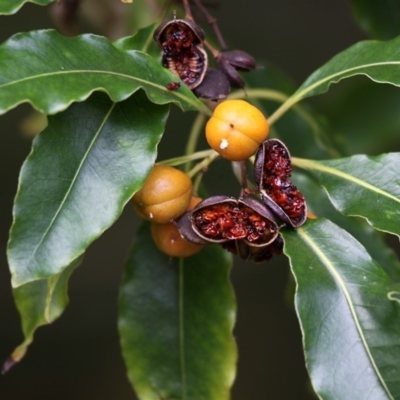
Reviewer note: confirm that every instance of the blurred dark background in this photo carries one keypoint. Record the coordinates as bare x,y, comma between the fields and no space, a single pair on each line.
78,357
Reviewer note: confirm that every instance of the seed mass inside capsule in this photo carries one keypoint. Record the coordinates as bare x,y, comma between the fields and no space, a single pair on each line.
181,53
227,221
276,183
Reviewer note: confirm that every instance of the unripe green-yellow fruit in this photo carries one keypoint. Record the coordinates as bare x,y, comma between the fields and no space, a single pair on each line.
236,129
164,196
168,239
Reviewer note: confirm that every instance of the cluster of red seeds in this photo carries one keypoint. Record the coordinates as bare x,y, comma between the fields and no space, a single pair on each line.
225,221
277,170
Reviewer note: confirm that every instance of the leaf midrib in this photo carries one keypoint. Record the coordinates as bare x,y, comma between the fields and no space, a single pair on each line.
181,298
69,72
67,194
309,164
302,91
331,267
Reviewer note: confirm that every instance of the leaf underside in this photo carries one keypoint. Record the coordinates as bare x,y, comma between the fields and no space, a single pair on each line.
12,6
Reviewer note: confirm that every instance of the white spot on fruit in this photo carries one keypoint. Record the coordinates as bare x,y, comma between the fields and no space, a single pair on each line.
224,144
151,215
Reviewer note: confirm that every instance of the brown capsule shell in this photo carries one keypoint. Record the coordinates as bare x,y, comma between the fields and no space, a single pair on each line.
265,253
185,226
211,201
235,60
194,225
260,173
190,66
254,253
215,86
231,73
165,31
239,59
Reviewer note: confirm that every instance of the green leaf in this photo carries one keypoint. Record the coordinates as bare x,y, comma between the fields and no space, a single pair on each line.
381,19
176,320
141,41
363,186
62,70
83,169
349,320
370,238
379,61
12,6
40,303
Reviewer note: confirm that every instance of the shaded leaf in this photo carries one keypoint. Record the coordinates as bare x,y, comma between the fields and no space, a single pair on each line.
62,70
83,169
364,116
176,320
381,19
379,61
12,6
370,238
142,41
40,303
301,125
351,328
363,186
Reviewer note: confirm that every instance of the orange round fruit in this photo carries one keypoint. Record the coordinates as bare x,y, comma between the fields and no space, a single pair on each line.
165,194
168,239
236,129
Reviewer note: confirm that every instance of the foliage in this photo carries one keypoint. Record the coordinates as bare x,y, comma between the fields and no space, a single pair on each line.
108,105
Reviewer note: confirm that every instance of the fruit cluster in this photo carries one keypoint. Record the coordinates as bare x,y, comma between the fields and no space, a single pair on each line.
245,226
165,196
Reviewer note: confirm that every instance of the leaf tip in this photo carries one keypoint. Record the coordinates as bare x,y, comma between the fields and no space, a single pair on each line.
8,364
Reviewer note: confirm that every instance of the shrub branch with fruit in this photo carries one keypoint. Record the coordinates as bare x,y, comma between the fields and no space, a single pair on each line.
326,209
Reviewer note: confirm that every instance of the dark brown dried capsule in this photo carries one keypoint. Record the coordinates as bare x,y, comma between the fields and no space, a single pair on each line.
256,254
235,60
220,219
181,42
181,30
272,170
215,86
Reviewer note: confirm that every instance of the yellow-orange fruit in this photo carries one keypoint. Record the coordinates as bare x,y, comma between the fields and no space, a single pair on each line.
164,196
168,239
236,129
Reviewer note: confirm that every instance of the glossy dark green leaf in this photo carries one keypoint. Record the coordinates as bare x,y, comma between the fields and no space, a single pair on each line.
12,6
40,303
363,186
83,169
142,41
381,19
372,239
62,70
176,320
349,320
379,61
